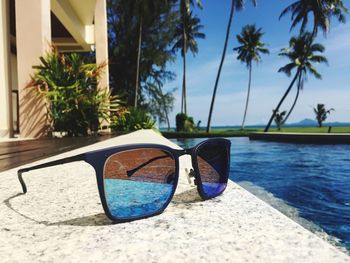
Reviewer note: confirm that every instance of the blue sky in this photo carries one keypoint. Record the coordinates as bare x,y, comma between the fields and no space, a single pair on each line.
268,86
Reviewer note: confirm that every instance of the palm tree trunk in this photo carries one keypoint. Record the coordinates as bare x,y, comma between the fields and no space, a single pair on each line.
138,64
184,75
295,100
248,95
182,99
165,109
314,30
281,101
167,119
221,63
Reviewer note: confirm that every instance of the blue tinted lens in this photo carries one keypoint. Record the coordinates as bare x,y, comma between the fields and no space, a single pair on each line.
139,182
213,164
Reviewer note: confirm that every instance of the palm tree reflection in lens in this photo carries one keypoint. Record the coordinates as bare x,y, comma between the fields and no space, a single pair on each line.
138,182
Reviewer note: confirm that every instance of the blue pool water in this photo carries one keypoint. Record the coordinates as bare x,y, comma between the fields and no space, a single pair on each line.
130,199
314,179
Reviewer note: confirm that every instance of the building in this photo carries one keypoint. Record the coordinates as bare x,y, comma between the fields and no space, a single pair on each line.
27,30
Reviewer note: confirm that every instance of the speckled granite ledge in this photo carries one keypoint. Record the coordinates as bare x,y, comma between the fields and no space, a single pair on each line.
60,219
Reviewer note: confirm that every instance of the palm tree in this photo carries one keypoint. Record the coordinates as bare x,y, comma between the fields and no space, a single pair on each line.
235,5
302,50
279,119
321,113
321,10
145,11
185,10
186,34
249,51
301,53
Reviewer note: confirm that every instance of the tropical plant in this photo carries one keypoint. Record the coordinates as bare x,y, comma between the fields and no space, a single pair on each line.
185,37
156,47
132,120
321,113
235,5
184,123
69,84
160,104
279,119
198,126
302,52
249,50
322,11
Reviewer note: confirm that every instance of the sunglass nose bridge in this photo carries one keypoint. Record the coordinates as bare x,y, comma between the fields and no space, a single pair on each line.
190,174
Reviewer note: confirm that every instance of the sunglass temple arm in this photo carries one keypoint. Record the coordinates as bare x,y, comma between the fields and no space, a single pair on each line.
80,157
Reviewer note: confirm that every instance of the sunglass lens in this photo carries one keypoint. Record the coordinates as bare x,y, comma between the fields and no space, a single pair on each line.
213,163
139,183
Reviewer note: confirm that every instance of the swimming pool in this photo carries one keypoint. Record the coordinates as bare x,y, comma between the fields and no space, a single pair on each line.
312,180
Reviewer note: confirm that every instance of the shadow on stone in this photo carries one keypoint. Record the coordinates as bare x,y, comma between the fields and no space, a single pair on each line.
92,220
184,198
190,196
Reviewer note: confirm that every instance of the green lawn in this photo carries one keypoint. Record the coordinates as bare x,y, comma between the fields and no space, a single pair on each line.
203,134
239,133
314,130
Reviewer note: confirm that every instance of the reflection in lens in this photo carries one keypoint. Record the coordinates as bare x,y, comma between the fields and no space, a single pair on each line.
213,163
138,182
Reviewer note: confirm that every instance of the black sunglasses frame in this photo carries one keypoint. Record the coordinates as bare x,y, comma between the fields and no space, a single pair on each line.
97,160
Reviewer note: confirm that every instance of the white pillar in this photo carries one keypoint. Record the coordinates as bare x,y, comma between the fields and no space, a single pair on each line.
101,40
101,46
6,122
33,35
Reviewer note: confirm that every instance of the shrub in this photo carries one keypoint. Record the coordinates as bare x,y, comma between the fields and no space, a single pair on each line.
69,84
279,119
321,114
132,120
184,123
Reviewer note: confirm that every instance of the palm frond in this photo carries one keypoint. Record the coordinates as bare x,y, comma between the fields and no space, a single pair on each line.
288,9
250,45
287,69
319,59
313,71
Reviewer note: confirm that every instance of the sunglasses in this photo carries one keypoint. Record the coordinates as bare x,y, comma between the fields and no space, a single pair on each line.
139,180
